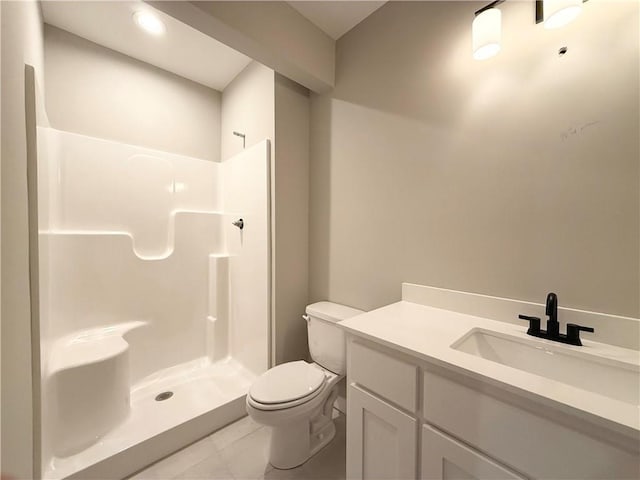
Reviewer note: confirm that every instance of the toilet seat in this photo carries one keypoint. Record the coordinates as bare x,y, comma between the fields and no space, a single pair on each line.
287,385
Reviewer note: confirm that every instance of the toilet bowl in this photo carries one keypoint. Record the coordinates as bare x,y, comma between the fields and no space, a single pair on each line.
295,399
300,426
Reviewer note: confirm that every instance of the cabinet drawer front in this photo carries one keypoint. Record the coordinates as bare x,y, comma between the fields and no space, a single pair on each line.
381,440
387,376
444,458
510,434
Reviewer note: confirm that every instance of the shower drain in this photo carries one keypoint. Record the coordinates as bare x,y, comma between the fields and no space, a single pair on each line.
163,396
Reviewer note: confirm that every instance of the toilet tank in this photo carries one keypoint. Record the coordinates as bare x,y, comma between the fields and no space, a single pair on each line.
327,343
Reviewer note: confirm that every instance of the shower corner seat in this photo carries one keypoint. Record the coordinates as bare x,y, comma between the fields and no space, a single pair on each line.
88,386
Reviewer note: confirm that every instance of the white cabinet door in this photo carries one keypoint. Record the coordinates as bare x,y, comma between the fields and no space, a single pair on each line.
444,458
381,439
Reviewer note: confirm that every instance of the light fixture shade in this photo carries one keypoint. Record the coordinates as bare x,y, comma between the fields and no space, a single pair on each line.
487,32
558,13
149,22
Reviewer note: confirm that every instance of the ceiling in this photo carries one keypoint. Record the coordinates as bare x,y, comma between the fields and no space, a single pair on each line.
336,17
181,50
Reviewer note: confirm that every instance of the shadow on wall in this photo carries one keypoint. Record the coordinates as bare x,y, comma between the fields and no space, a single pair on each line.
511,177
320,145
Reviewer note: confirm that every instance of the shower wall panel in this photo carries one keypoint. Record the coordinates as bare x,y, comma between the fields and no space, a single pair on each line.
96,280
145,277
127,233
246,191
99,185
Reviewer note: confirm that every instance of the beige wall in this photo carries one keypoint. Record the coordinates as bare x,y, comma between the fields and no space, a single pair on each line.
272,33
247,107
513,177
262,104
96,91
291,183
21,43
296,45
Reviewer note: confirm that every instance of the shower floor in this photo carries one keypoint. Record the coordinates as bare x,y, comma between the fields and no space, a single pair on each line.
205,397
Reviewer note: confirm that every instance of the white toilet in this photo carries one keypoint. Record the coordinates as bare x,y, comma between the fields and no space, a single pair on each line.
296,399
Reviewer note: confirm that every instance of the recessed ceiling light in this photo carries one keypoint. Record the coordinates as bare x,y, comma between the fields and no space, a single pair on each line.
149,22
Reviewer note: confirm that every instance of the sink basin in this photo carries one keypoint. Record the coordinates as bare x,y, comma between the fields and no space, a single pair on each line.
604,376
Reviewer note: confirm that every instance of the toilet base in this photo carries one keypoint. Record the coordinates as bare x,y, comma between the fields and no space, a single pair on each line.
295,443
300,431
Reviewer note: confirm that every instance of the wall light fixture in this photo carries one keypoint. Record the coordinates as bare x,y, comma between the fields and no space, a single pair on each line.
487,31
557,13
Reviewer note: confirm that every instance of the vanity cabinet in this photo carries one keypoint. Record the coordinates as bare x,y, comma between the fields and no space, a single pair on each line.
409,418
444,458
382,427
383,439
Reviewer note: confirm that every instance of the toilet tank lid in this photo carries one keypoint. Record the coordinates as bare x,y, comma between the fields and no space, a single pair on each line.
331,312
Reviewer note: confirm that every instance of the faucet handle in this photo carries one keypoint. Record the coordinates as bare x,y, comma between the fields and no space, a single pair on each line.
534,324
573,333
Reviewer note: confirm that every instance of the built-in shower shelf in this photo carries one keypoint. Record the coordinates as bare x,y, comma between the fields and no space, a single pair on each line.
209,227
85,232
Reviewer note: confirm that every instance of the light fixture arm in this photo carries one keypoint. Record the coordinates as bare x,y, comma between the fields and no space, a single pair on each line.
539,10
487,7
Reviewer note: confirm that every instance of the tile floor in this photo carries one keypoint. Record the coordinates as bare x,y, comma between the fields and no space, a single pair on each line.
239,452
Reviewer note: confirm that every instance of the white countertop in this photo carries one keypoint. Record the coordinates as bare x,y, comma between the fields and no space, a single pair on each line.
427,334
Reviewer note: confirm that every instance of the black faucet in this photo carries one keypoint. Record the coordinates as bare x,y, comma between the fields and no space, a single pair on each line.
553,327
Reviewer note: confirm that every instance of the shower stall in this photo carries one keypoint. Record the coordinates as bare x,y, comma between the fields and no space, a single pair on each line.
154,298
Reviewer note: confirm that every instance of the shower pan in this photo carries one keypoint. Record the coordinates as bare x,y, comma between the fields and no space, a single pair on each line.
154,306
